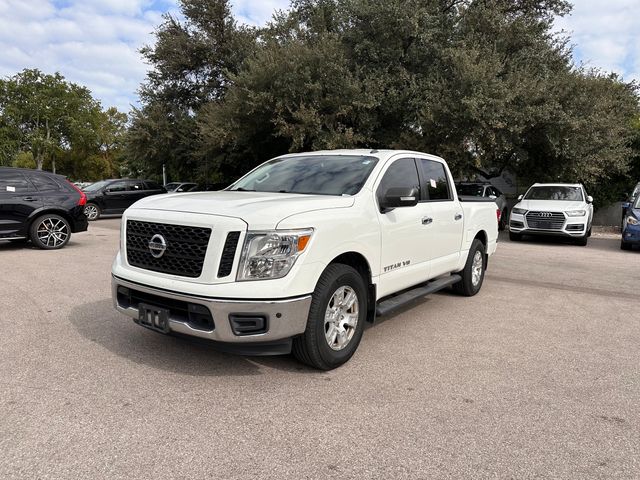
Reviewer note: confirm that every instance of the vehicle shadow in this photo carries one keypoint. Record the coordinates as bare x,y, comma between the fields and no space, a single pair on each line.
601,243
101,324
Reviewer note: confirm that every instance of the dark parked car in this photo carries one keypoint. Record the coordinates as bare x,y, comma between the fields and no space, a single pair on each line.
39,206
175,187
631,225
115,196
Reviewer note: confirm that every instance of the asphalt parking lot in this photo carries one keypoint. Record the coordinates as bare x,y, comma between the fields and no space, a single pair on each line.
538,376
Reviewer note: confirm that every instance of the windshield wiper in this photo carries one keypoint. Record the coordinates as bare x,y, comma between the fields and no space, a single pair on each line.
240,189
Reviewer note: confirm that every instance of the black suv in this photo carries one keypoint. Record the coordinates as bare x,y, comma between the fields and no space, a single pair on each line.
115,196
39,206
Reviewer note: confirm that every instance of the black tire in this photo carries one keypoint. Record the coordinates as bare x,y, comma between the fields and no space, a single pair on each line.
466,286
582,241
502,224
50,232
625,245
94,211
515,237
312,347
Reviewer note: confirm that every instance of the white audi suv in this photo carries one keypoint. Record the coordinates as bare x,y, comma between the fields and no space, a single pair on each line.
562,209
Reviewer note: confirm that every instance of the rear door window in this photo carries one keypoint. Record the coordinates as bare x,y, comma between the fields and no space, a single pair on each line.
44,183
435,182
14,182
153,186
136,186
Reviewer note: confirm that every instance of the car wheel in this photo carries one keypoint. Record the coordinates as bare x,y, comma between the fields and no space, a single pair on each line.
582,241
503,220
50,232
92,211
625,245
336,319
515,237
473,272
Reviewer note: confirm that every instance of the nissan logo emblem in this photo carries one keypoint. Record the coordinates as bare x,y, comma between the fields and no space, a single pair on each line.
157,246
545,214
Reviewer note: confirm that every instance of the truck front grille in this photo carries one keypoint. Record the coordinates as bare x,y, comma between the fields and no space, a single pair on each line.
545,220
184,253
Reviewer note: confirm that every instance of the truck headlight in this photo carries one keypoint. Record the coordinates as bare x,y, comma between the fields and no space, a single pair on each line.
632,221
518,211
269,255
576,213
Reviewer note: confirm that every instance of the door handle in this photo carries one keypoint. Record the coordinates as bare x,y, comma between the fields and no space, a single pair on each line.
457,217
29,199
427,220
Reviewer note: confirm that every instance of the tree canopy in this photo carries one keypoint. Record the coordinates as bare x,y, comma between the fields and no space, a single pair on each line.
48,121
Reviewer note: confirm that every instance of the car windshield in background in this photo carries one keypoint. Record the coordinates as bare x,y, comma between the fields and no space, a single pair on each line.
555,193
470,190
637,202
172,186
311,175
94,187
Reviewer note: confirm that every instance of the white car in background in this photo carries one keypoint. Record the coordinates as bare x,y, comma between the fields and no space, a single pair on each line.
562,209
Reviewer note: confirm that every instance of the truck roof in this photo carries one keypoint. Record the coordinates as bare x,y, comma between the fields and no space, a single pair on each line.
382,154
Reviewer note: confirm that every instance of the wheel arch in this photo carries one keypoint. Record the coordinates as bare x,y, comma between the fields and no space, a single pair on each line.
359,262
38,213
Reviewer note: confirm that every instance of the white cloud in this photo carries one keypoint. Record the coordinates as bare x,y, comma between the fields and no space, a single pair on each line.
257,13
606,35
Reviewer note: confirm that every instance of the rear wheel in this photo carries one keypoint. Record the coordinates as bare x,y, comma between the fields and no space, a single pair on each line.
50,232
473,272
515,237
336,319
92,211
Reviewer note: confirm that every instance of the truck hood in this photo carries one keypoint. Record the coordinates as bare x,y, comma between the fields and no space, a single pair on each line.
260,210
551,205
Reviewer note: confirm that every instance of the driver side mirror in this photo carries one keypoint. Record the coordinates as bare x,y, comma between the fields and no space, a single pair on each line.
520,197
399,197
589,199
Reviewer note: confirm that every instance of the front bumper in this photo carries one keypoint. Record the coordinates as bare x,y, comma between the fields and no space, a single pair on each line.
283,318
631,234
573,227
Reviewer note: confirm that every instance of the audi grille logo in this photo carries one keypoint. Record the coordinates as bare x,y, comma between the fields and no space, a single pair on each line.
157,246
545,214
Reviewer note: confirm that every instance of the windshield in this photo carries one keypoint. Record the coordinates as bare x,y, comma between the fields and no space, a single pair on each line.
94,187
470,190
313,175
172,186
637,202
555,192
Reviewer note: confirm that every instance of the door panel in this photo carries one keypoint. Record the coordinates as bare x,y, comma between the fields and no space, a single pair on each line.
445,240
18,200
115,197
404,254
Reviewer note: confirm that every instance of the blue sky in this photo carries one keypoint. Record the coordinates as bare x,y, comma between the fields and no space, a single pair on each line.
96,42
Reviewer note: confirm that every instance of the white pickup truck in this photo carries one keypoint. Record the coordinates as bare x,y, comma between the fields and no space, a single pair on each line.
299,253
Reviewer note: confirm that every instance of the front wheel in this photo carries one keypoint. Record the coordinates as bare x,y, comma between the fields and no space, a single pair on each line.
625,245
336,319
515,237
50,232
473,272
582,241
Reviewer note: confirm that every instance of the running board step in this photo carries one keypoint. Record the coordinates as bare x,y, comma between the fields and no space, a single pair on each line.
387,306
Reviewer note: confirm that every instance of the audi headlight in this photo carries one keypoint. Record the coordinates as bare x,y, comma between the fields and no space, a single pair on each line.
632,221
269,255
576,213
518,211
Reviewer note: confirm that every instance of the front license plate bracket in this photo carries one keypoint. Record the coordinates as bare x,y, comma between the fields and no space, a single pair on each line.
154,318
